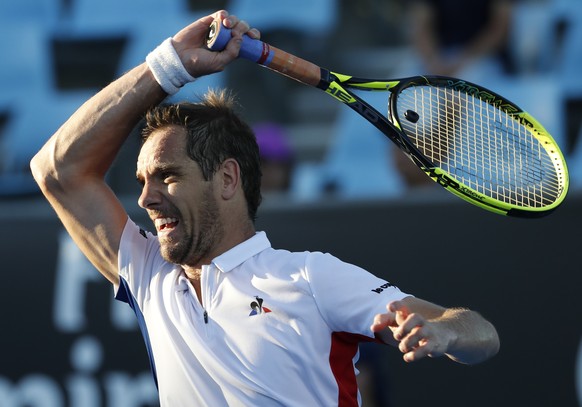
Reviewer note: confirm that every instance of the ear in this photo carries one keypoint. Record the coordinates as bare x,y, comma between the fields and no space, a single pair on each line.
230,171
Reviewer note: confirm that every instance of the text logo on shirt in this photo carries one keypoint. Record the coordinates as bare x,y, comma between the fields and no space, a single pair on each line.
382,288
257,307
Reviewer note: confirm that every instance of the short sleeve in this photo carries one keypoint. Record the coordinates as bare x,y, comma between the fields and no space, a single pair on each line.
139,256
348,296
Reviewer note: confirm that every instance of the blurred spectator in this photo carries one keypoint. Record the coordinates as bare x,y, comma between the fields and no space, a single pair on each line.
301,27
412,176
460,38
277,157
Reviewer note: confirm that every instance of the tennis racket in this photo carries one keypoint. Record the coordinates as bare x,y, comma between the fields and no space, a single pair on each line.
470,140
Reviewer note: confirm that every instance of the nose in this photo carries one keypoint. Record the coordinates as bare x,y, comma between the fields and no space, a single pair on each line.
149,196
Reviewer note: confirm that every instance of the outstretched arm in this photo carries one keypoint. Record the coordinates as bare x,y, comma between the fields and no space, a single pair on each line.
70,168
420,328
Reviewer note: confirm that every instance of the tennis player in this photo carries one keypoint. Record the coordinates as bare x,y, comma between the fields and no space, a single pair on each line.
228,320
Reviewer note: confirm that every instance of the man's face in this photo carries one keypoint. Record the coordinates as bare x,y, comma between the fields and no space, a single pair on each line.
179,201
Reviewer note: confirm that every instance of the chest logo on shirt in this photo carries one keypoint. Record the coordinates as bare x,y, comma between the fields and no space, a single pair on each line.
257,307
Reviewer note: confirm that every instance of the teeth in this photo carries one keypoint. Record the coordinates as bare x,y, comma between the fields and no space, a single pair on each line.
161,222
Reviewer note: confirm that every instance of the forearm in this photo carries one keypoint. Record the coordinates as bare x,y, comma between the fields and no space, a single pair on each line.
420,329
473,338
70,168
88,142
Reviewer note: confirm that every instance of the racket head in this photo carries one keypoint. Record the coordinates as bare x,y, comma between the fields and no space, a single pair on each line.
479,145
472,141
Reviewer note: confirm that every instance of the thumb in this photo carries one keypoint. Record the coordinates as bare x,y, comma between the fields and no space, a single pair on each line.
400,311
383,321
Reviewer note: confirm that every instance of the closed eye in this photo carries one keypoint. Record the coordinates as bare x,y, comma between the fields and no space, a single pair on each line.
166,175
169,177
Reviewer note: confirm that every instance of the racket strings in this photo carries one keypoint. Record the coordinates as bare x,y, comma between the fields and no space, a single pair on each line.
481,146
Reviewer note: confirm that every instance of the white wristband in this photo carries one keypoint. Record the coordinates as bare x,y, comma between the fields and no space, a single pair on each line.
167,68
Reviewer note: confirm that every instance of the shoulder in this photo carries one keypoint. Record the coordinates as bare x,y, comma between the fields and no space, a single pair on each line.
136,234
138,246
304,258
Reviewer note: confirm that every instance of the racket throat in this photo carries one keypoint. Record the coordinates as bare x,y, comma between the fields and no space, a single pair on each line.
326,79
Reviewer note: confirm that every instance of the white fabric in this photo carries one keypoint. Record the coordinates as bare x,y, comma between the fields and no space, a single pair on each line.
281,354
165,64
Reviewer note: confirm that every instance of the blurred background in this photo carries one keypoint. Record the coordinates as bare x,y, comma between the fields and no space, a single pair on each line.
331,183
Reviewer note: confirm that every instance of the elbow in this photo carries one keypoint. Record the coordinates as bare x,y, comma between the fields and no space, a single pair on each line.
483,344
488,348
495,344
43,172
38,171
488,352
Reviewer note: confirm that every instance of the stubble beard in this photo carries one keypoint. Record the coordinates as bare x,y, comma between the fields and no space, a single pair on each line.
193,248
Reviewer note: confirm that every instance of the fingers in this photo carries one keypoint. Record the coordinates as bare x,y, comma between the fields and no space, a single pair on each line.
240,27
416,338
395,316
419,338
190,44
417,345
254,33
395,306
400,311
383,321
424,348
406,325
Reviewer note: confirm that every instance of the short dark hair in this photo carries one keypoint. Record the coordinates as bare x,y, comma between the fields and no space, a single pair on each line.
215,133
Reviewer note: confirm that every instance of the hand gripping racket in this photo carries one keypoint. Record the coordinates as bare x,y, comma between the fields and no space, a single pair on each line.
472,141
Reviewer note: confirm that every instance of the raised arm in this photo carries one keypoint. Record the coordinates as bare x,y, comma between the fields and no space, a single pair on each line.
70,168
420,328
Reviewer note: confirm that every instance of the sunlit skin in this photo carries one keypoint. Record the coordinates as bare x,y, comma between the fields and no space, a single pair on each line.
197,220
181,204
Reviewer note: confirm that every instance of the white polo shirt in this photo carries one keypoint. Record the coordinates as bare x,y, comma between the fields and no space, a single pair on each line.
275,328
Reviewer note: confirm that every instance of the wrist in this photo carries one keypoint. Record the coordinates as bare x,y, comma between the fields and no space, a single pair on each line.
167,68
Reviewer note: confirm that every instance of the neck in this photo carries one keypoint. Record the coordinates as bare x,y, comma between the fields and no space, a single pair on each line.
192,273
231,238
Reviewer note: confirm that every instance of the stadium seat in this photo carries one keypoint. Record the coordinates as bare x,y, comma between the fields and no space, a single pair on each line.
31,123
533,38
34,107
358,164
540,95
26,64
574,161
307,16
112,17
44,13
545,36
571,59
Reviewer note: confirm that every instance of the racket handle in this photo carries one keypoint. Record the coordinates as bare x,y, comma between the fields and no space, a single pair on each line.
264,54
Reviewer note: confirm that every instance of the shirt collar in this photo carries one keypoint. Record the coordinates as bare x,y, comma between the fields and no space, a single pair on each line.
234,257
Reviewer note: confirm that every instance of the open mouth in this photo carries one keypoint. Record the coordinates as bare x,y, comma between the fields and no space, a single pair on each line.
165,224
